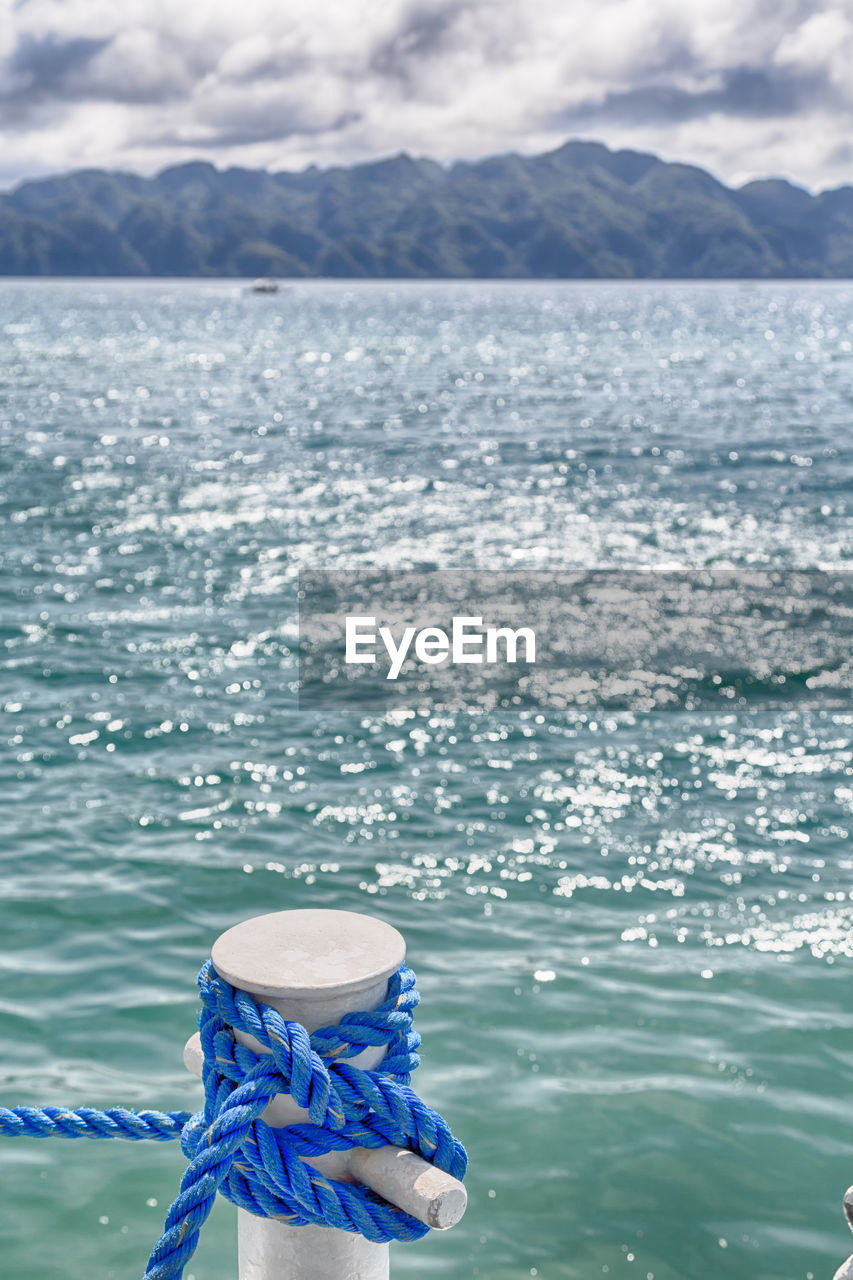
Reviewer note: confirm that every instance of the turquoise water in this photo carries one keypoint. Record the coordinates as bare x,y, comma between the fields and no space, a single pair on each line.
632,930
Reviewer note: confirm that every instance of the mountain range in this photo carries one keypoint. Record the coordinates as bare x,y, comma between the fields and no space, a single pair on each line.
581,211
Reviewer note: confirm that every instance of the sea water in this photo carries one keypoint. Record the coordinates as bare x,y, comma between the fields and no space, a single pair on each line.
632,928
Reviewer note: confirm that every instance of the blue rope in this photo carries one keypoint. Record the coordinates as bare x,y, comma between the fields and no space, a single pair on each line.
233,1152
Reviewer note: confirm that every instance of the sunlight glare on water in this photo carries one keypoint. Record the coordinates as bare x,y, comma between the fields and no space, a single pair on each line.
632,929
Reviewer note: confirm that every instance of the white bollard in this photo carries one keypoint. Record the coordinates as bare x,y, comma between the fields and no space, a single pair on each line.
845,1271
313,967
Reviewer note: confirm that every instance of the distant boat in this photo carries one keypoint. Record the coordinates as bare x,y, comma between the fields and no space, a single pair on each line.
265,286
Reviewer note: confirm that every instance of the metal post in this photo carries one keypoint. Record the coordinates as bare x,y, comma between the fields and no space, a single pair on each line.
313,967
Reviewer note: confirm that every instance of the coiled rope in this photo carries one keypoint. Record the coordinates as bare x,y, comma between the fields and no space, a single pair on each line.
232,1151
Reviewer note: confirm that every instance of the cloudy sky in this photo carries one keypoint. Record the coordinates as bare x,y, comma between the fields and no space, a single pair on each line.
745,88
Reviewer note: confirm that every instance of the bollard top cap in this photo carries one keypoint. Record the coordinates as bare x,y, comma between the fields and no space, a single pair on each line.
304,954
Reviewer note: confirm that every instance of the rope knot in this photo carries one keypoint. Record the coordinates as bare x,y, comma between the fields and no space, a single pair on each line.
264,1170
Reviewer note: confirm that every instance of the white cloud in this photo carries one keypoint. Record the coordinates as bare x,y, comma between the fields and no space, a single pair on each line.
823,43
744,87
